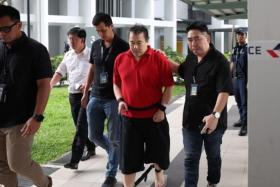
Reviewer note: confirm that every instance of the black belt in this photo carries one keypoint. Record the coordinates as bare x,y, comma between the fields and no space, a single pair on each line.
155,105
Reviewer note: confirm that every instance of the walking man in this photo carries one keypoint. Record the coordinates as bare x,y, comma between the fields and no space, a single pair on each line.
102,103
208,83
25,73
76,64
143,97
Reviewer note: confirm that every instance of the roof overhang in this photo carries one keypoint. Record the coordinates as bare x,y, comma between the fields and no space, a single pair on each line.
221,9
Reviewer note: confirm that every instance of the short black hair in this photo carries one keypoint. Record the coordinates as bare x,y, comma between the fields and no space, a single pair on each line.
9,11
138,29
198,26
102,17
77,31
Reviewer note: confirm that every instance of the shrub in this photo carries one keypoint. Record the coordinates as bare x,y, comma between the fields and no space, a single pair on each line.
175,56
228,55
56,60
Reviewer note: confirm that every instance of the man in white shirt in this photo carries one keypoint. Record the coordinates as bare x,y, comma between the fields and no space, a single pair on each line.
76,64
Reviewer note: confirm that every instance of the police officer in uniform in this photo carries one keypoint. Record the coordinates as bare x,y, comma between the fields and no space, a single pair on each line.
239,61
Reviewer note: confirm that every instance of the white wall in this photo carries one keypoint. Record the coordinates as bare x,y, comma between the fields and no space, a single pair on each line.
159,12
68,13
182,10
126,8
54,36
264,91
239,22
143,9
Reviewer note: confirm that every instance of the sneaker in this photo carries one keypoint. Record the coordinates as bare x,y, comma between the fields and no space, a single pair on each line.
109,182
243,131
50,181
88,155
211,185
71,165
237,124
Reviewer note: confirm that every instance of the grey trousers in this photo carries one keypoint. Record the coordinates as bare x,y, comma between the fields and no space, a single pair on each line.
15,158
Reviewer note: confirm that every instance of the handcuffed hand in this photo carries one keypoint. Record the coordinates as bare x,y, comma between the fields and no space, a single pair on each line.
158,116
122,107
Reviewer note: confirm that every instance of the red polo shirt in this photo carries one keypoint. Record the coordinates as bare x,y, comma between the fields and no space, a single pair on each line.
141,82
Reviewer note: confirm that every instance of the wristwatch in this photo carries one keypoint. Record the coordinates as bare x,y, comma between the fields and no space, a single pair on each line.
161,107
120,99
38,117
217,115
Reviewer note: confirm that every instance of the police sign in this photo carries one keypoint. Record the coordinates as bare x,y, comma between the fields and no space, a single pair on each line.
264,50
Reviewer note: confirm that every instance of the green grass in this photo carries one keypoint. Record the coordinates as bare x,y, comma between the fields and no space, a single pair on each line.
56,133
178,90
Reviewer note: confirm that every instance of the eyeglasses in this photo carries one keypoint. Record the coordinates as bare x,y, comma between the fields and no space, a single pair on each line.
7,29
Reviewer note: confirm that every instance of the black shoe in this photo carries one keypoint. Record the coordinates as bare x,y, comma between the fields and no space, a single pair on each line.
71,165
109,182
237,124
50,181
243,131
211,185
88,155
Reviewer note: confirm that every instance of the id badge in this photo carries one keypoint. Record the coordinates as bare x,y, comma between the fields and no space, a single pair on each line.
103,78
194,89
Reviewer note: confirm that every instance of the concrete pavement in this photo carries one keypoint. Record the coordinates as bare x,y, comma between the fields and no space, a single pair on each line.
91,173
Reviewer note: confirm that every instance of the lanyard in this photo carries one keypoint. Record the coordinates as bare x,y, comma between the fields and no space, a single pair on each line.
4,62
102,52
194,74
105,60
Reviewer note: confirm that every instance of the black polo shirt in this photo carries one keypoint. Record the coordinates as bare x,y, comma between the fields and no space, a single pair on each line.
27,61
212,75
104,64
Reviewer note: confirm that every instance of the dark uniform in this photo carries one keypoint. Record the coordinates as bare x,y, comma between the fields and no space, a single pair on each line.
240,78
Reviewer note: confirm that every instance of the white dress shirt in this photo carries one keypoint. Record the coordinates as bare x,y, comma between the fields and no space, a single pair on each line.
76,67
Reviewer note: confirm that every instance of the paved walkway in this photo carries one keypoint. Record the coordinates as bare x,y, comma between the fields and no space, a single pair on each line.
234,154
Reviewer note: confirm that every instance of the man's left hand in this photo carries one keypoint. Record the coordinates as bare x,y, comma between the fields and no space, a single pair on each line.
210,124
158,116
30,127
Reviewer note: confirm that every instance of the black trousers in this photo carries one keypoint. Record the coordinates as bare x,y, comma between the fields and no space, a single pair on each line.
81,136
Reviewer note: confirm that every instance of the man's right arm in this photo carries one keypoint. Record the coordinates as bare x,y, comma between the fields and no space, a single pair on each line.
118,94
88,84
55,79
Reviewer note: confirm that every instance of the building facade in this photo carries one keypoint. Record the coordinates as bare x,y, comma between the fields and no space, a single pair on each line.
166,20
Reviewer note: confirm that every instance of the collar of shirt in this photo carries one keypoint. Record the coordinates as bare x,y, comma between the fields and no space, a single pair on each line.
113,42
84,52
147,53
17,43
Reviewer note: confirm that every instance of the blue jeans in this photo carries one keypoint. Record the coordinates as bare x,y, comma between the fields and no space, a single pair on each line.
240,93
97,111
193,141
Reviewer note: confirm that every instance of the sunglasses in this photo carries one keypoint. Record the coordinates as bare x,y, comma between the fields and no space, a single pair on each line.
7,29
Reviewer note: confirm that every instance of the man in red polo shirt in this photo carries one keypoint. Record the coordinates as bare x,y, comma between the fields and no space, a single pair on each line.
142,84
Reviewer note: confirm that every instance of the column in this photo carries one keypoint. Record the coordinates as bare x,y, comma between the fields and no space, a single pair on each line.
264,89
